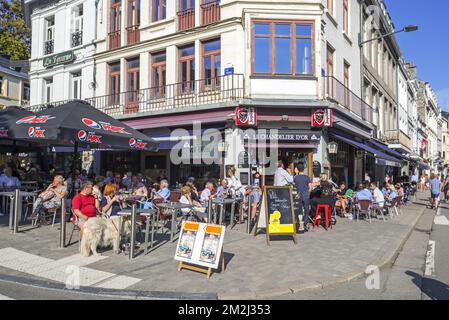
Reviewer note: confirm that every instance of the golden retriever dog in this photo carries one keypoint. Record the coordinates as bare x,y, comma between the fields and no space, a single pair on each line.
102,232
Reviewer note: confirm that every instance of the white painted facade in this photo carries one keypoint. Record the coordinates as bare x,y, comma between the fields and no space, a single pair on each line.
63,81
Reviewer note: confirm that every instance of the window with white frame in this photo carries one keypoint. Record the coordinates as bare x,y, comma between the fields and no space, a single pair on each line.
49,35
26,92
76,85
77,26
48,90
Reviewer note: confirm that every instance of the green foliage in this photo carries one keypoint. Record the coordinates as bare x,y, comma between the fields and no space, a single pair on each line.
15,36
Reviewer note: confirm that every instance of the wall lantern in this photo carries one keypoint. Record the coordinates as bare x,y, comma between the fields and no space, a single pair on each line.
332,147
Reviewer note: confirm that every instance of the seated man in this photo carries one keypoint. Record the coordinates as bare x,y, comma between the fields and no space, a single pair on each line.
49,199
363,194
164,192
379,199
255,200
84,206
7,180
206,194
223,190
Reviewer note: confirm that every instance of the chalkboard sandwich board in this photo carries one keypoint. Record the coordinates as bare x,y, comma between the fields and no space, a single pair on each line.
278,212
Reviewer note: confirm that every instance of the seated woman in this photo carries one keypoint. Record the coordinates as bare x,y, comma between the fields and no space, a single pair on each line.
399,190
110,205
49,199
324,194
197,210
138,188
392,195
341,202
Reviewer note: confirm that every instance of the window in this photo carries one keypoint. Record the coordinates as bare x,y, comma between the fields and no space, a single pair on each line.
187,69
346,76
77,27
346,16
283,47
26,92
114,83
132,29
211,66
330,6
158,74
159,10
330,70
115,24
132,82
49,35
76,85
48,87
1,85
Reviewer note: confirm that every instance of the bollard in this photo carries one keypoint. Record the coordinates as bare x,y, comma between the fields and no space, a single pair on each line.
250,212
63,225
133,232
209,211
11,212
17,210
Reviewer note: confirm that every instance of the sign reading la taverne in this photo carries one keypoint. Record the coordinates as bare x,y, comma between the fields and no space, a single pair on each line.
59,58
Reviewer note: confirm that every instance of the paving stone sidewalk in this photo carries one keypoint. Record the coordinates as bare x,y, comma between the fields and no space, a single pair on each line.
253,270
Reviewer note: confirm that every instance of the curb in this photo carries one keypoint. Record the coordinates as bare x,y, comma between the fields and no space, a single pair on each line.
386,260
129,294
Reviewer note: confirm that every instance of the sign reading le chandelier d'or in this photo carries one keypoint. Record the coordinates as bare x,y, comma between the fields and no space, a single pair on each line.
59,58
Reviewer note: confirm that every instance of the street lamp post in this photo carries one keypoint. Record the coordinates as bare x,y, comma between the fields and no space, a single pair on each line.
410,28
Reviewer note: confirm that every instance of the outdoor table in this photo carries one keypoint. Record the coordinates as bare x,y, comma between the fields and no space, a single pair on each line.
174,207
144,213
222,203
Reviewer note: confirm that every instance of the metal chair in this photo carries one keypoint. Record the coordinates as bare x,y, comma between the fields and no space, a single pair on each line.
364,207
75,227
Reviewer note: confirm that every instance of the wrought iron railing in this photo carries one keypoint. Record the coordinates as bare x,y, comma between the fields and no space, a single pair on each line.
186,19
181,95
338,92
49,46
210,11
77,38
114,39
133,34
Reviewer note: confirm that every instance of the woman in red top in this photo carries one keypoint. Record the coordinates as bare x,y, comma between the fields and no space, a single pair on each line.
85,205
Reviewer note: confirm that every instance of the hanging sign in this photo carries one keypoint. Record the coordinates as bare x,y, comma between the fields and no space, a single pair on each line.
322,118
245,116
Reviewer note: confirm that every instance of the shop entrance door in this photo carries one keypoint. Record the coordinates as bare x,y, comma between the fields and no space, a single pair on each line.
291,159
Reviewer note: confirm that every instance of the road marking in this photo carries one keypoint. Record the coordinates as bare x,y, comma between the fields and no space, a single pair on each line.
2,297
441,220
57,270
430,259
439,211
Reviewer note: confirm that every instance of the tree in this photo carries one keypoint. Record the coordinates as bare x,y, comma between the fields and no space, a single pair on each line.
14,34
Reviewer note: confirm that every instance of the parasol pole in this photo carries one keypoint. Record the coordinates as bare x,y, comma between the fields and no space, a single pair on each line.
75,158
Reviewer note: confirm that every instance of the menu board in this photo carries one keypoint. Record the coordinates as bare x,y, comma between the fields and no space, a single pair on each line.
277,214
200,244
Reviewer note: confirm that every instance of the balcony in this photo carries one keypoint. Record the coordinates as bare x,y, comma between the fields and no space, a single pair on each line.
49,47
210,12
186,19
115,40
336,91
398,137
229,88
132,34
77,38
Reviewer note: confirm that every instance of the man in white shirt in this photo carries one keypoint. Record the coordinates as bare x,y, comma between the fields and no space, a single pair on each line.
7,180
378,196
206,194
281,176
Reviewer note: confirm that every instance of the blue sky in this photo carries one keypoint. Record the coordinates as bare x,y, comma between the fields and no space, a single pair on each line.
428,47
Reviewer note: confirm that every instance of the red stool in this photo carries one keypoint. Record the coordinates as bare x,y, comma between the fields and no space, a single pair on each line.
327,215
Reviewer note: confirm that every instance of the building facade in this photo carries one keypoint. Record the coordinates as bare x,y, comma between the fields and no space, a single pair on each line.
14,84
178,69
62,49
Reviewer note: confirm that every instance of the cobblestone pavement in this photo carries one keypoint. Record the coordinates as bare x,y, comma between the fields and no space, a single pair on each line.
253,270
